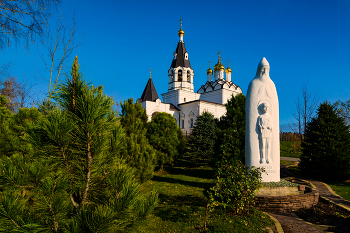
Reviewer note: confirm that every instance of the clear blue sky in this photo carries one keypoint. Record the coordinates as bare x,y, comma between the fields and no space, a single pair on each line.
304,42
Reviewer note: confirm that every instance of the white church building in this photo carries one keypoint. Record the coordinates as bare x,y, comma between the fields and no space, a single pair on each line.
181,101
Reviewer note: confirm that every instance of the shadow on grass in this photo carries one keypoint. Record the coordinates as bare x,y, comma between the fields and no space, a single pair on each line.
199,173
180,208
183,182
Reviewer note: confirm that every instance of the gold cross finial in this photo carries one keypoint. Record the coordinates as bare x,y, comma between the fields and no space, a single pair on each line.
209,64
181,22
150,72
228,63
219,56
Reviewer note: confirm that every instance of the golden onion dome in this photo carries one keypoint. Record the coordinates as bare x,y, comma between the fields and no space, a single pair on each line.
181,32
219,66
216,67
209,71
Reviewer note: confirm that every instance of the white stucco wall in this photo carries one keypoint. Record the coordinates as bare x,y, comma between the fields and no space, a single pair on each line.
178,96
158,106
197,108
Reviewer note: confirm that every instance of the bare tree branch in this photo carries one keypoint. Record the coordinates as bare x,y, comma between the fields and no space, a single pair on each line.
23,19
17,93
343,110
59,45
304,111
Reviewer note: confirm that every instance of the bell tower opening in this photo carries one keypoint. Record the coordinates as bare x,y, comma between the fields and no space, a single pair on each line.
179,76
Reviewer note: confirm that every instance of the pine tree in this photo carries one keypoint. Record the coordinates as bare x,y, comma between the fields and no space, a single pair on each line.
13,127
136,149
231,133
201,142
74,180
164,136
326,148
5,132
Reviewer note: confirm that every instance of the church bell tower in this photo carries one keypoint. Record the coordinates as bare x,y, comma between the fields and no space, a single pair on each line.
180,72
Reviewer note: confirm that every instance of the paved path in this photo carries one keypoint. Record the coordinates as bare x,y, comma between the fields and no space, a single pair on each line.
290,159
291,223
324,189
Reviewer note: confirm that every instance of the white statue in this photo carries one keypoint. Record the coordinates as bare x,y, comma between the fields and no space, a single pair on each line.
262,148
265,126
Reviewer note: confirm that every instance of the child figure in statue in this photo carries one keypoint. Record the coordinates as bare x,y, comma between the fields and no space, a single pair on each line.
265,129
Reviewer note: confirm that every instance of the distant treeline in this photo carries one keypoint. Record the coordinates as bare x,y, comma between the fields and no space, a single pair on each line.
289,136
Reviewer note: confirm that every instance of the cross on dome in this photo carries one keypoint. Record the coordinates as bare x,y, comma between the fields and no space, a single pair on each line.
181,33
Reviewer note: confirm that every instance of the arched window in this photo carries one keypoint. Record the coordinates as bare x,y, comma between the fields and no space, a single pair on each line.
191,123
179,76
188,76
172,76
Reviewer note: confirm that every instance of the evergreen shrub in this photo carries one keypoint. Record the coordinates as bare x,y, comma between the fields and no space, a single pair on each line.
235,186
326,147
166,137
136,149
201,142
231,130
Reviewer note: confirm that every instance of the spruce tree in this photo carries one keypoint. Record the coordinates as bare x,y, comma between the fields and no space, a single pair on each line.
231,132
164,136
74,180
136,149
201,142
326,147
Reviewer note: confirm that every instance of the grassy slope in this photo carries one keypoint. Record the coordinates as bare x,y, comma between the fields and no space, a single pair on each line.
287,151
182,204
284,162
341,188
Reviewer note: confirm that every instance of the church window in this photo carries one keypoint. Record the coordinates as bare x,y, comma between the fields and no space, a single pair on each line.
184,99
191,123
179,76
182,124
188,76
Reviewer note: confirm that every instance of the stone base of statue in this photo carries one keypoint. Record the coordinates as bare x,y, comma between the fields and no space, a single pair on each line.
262,146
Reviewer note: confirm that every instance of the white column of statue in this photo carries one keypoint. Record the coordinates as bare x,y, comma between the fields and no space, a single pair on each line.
262,145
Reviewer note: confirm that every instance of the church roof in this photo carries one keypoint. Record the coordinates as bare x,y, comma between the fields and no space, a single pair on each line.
180,57
150,93
199,101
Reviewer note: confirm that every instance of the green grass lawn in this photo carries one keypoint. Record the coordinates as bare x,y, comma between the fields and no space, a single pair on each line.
286,149
182,204
341,188
284,162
